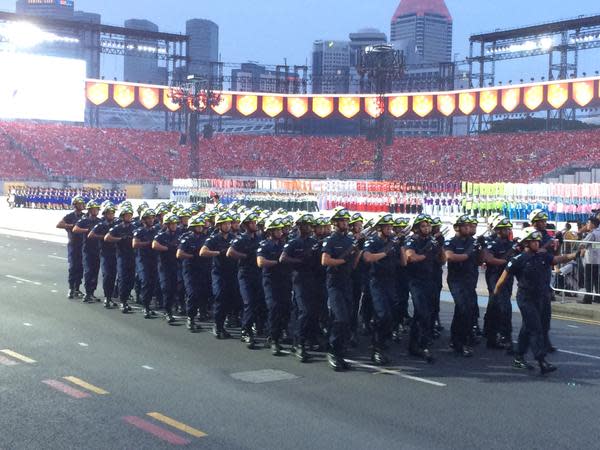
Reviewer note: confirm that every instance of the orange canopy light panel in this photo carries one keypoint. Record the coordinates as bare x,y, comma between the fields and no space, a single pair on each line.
272,106
297,106
247,104
533,96
349,106
398,106
375,106
149,97
422,104
511,99
466,102
488,100
225,104
322,106
168,101
583,92
124,95
558,94
97,93
446,104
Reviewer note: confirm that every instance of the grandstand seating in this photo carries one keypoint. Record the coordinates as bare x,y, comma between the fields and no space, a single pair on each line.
131,155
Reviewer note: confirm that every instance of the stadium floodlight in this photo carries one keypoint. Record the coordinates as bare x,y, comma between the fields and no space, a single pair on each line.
26,35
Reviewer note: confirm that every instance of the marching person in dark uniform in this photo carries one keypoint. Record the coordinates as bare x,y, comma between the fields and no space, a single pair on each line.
383,253
462,256
321,276
359,277
530,269
195,270
299,253
108,252
75,246
224,271
498,315
91,250
146,259
339,257
422,251
276,280
166,243
438,276
122,235
244,249
401,229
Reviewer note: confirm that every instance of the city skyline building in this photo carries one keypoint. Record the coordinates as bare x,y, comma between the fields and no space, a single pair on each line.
331,67
142,68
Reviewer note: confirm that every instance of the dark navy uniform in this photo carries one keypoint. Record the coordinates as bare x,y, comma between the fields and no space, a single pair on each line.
108,259
167,267
146,265
223,274
383,286
304,285
339,290
549,293
196,273
125,259
277,285
91,255
249,278
74,251
530,270
460,282
498,315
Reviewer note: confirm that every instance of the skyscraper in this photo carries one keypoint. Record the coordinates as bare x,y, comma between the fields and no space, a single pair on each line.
203,47
423,29
57,9
143,69
331,67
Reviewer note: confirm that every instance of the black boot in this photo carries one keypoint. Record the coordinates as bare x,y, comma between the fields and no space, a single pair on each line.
107,303
276,348
520,363
191,324
248,339
147,313
169,317
379,358
71,294
336,362
302,354
545,366
88,299
125,308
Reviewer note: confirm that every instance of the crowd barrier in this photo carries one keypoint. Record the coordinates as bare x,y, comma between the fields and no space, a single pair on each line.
579,278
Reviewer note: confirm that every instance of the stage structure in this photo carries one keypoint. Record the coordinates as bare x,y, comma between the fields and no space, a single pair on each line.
561,41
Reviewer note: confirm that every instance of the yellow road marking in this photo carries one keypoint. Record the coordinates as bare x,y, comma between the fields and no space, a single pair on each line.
18,356
175,424
576,319
86,385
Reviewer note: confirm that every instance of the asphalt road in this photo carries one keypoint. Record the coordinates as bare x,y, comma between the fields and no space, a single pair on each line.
218,395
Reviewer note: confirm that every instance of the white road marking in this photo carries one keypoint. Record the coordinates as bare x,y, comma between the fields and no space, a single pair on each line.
54,291
572,326
62,258
27,324
148,367
396,372
23,280
585,355
83,344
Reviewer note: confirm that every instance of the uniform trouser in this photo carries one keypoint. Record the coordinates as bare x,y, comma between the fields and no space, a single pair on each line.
498,314
339,301
278,298
167,277
546,311
532,331
357,283
91,268
462,321
304,287
109,274
403,291
321,294
147,275
422,298
251,292
366,304
383,295
126,274
196,289
437,290
223,294
75,258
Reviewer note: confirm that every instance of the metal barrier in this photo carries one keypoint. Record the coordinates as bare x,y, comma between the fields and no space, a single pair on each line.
579,278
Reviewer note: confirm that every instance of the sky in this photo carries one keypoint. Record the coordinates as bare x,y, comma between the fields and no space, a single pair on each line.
268,31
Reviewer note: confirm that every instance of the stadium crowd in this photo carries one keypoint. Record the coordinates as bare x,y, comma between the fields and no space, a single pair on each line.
318,283
59,198
124,155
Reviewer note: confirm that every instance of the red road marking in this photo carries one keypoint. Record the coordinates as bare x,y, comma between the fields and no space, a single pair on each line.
159,432
66,389
7,362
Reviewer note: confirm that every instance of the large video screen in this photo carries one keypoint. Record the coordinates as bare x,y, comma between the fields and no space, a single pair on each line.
42,87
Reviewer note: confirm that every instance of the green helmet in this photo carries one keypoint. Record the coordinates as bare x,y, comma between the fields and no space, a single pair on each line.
249,216
92,204
356,217
462,220
235,217
125,210
436,222
161,210
197,221
107,208
77,199
223,217
288,220
401,222
322,221
306,218
186,212
384,219
420,219
171,218
142,206
537,215
148,212
340,213
171,204
281,212
531,234
473,220
502,222
126,203
274,223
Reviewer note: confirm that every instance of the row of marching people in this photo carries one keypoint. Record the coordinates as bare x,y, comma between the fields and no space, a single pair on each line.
319,281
